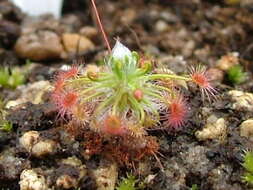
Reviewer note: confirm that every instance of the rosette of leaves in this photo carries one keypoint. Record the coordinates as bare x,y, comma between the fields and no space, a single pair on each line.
126,95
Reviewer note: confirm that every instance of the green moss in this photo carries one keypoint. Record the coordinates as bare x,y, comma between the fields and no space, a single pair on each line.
4,76
248,165
194,187
127,183
11,78
236,75
5,126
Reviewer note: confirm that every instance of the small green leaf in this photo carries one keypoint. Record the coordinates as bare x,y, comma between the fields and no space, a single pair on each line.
194,187
6,126
248,178
127,183
11,78
248,161
236,75
4,76
248,165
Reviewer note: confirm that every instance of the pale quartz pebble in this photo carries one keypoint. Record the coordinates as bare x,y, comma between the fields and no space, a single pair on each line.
29,139
228,61
216,130
120,51
150,178
241,100
73,161
246,129
211,119
30,180
44,147
105,175
66,181
161,26
37,147
31,93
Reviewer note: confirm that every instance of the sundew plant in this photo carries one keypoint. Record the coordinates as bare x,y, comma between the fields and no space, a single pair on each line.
126,96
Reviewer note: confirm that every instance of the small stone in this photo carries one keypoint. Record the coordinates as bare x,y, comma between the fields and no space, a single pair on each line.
41,23
215,130
211,119
128,16
241,100
44,147
106,175
73,161
74,43
228,61
29,139
71,22
188,48
31,93
246,129
37,147
169,17
161,26
89,32
40,46
66,180
30,180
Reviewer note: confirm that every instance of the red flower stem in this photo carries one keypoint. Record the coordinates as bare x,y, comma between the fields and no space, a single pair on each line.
101,26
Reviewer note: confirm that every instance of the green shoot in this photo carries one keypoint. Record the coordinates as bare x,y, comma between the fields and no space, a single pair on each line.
248,165
127,183
194,187
236,75
5,126
11,78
